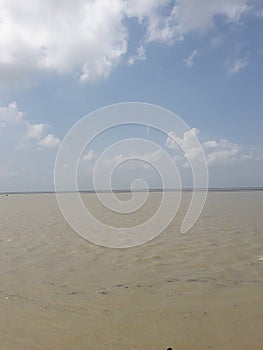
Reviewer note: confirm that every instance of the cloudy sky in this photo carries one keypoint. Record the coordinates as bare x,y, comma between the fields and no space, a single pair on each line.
60,60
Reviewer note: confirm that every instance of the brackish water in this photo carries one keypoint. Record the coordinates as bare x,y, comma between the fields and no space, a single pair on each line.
200,290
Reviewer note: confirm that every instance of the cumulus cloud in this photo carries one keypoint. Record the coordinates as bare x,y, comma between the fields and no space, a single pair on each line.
140,56
19,133
176,24
121,167
168,20
189,61
21,141
49,141
90,38
222,151
185,13
217,152
62,36
237,65
34,131
159,26
90,155
134,160
10,115
188,143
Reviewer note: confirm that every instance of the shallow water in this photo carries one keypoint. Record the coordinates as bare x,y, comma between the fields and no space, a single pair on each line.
200,290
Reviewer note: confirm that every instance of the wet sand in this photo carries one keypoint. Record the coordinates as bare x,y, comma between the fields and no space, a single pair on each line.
200,290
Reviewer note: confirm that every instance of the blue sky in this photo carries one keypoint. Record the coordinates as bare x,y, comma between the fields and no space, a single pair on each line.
59,61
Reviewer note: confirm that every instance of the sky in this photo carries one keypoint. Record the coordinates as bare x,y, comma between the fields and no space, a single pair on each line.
61,60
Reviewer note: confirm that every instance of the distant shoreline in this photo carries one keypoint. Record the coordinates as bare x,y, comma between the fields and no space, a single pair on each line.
227,189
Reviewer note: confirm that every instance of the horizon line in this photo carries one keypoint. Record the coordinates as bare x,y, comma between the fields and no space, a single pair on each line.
189,189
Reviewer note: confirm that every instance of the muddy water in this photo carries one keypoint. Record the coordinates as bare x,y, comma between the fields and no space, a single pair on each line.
200,290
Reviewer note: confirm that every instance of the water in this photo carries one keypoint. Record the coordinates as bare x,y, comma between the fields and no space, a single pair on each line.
201,290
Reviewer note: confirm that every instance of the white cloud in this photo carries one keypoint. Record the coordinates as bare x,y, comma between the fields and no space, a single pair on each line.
187,20
140,56
89,156
10,115
34,131
89,38
20,141
189,61
153,156
49,141
237,65
134,160
171,141
217,152
183,18
19,133
222,151
122,166
159,27
188,143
